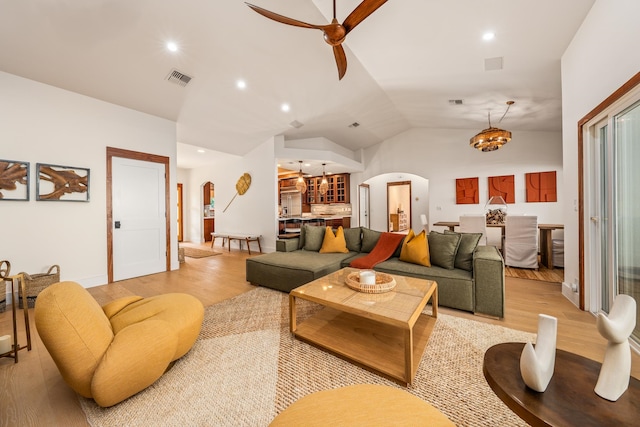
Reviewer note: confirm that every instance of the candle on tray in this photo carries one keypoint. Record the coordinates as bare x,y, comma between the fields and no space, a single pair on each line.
5,344
368,277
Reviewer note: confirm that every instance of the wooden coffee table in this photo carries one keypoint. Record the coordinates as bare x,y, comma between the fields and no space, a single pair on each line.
386,332
569,399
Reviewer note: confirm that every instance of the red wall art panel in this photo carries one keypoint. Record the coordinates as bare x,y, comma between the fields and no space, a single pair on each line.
502,186
541,187
467,191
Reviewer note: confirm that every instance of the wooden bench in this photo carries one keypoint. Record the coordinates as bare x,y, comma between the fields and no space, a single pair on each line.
228,237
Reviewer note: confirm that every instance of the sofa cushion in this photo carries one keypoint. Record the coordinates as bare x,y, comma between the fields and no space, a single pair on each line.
313,238
468,244
415,249
303,231
369,239
353,236
399,248
334,243
443,249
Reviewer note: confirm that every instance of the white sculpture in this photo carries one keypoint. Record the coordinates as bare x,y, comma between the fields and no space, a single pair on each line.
613,380
536,366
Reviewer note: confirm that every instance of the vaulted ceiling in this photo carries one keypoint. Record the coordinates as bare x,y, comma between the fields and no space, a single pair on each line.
405,63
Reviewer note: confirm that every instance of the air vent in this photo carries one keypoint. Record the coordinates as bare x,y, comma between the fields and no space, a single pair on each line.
178,78
492,64
296,124
354,125
455,102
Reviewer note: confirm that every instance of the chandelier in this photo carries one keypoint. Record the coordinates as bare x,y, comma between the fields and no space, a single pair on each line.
324,184
492,138
301,184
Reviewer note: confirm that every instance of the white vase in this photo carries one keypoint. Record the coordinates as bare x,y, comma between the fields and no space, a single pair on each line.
613,380
536,365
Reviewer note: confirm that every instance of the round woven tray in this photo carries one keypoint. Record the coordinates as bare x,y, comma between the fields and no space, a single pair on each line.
384,283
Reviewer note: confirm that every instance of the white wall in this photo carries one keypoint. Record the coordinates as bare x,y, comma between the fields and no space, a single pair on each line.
442,155
41,123
255,212
602,57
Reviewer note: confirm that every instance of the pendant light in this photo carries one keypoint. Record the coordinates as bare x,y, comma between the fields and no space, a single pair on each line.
324,184
492,138
301,184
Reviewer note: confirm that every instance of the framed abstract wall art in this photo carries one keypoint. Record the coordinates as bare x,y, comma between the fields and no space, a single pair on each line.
14,180
502,186
467,191
62,183
541,186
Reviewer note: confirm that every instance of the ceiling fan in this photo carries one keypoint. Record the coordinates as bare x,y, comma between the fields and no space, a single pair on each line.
334,33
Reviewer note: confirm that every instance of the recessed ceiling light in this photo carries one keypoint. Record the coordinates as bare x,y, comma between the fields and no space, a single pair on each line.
201,151
285,107
488,36
241,84
172,46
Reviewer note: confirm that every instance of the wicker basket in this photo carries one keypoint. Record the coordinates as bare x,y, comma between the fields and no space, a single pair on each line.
37,282
384,283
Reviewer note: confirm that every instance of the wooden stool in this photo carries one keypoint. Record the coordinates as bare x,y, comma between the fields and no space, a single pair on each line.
361,405
15,347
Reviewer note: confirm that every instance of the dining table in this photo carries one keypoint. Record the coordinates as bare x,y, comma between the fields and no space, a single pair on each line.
545,242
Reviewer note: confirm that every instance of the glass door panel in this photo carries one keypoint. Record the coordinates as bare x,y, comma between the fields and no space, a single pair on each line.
627,205
601,185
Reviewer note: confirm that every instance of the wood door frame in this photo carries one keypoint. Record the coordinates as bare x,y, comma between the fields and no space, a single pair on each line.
146,157
398,183
619,93
180,214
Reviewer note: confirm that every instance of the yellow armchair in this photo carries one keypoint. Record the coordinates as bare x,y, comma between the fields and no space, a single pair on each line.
111,353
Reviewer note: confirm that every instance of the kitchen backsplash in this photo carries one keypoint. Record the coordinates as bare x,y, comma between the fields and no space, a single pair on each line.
332,209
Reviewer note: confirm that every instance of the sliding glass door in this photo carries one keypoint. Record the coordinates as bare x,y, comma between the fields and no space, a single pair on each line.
627,204
613,193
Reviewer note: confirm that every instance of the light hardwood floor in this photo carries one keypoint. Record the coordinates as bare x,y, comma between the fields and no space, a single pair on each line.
32,392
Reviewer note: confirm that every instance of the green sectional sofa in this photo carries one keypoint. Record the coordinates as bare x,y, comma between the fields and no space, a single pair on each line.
469,277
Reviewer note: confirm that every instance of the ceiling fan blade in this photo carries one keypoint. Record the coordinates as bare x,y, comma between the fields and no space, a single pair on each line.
341,60
364,9
280,18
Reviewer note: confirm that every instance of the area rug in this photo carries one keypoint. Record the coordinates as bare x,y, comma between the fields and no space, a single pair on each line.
246,368
198,253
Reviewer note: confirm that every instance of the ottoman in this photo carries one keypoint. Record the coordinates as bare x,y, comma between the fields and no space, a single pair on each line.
361,405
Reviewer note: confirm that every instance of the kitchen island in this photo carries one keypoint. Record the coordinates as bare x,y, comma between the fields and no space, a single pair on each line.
292,224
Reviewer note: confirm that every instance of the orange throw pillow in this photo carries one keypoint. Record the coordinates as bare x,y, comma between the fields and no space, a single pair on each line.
415,249
334,243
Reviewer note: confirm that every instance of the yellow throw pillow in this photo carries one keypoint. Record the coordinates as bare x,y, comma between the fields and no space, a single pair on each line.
415,249
334,243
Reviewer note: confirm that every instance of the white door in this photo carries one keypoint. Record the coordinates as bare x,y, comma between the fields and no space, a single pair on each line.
139,218
363,205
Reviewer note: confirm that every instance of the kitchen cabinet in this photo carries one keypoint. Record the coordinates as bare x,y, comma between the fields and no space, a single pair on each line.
207,193
338,191
209,227
344,222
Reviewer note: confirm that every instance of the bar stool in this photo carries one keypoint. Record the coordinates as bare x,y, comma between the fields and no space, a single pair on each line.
5,268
